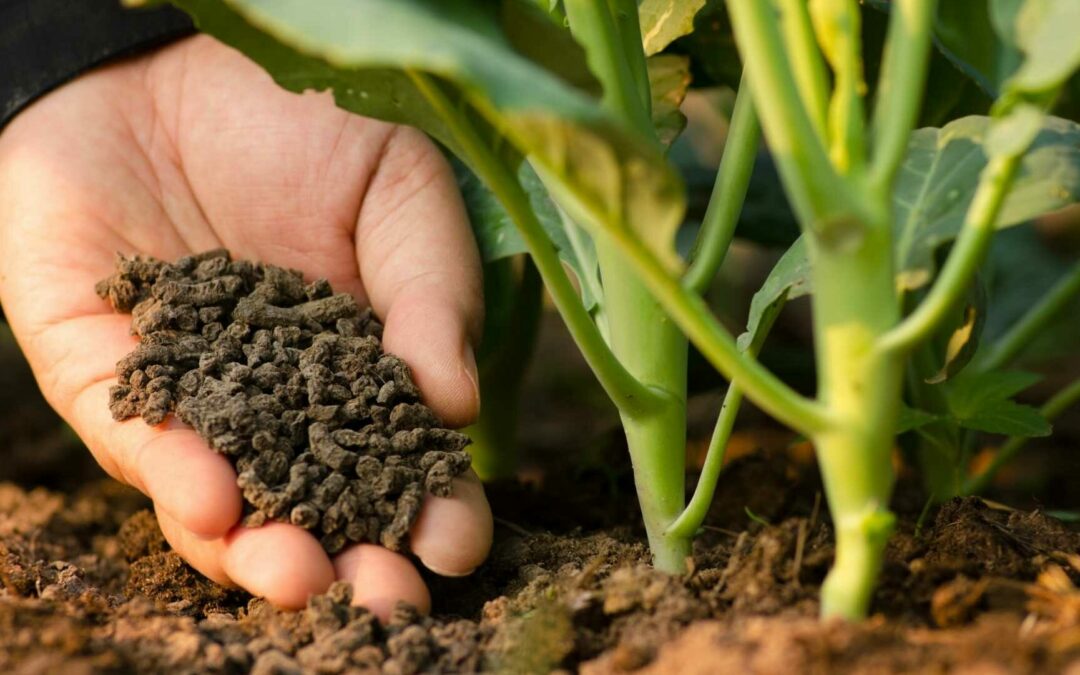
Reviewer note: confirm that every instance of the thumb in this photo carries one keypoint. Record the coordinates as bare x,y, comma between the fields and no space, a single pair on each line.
421,269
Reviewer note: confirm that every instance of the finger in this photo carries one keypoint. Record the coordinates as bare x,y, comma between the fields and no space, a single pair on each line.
169,463
380,579
420,267
280,562
452,535
203,554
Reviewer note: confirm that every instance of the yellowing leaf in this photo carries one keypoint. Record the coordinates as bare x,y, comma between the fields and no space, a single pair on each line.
664,21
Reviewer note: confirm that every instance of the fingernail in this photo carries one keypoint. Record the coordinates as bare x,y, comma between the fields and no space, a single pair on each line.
446,573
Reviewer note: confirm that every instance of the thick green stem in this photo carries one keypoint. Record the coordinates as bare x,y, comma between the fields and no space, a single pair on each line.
595,27
654,350
1059,403
504,357
806,62
729,193
642,336
837,26
628,394
628,25
822,200
861,538
1024,331
717,345
854,304
657,446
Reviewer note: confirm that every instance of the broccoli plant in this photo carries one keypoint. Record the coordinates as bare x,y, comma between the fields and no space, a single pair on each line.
562,112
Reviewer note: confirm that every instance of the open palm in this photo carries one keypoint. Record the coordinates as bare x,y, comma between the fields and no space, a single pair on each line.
192,148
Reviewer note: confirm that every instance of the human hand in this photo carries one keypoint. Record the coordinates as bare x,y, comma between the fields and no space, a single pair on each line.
193,147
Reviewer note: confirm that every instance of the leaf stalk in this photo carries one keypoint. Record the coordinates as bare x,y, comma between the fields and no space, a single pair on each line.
729,193
624,389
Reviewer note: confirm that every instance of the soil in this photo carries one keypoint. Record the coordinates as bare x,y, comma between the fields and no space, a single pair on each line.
89,585
289,381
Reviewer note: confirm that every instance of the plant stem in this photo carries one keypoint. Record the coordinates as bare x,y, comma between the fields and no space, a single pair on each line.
940,442
694,514
657,445
504,357
628,25
1005,349
1058,403
578,243
693,316
838,31
592,23
628,394
641,334
654,350
900,87
822,200
854,303
688,310
807,64
729,193
967,254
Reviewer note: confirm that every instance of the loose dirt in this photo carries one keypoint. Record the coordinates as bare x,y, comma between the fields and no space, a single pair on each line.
89,584
289,381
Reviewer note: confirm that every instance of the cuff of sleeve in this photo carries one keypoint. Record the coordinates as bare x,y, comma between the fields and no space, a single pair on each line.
45,43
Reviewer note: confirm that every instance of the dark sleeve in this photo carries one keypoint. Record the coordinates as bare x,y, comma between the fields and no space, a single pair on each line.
44,43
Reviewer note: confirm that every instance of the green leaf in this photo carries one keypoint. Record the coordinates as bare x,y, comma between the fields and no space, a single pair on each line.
982,402
950,91
789,279
552,7
381,92
1008,418
546,41
964,339
1064,516
664,21
971,391
1020,270
495,232
364,51
1025,46
711,46
498,238
1046,32
911,419
933,191
968,35
669,79
938,178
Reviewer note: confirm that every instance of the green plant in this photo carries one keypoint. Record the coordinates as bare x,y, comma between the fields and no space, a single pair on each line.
564,111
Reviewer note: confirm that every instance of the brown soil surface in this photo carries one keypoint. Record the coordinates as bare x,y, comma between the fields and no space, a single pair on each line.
89,585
